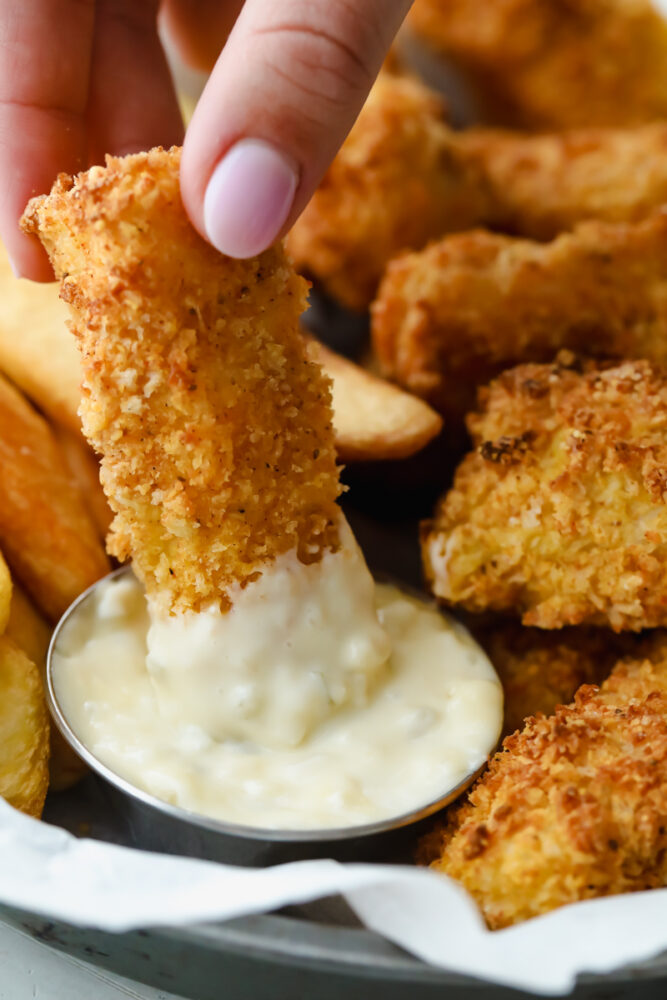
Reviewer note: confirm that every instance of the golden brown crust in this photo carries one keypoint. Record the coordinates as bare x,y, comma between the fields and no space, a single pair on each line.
560,513
574,806
541,185
452,316
399,180
540,670
24,731
50,542
213,426
549,64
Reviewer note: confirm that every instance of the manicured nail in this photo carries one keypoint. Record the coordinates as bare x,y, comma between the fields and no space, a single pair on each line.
248,198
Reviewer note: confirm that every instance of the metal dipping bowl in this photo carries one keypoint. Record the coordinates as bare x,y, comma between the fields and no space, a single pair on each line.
159,826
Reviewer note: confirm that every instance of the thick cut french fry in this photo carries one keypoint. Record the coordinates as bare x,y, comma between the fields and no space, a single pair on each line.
24,731
45,531
85,472
36,349
373,419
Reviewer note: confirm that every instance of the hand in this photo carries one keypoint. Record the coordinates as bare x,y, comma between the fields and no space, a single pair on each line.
80,78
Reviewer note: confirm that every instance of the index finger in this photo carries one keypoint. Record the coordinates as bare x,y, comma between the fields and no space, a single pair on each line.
45,49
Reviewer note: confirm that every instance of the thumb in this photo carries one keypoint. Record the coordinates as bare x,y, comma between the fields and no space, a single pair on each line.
282,97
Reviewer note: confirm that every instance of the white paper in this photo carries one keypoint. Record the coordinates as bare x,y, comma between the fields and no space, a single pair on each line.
89,883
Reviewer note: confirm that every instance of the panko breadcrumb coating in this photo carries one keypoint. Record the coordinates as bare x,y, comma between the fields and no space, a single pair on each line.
560,513
215,429
452,316
553,64
540,670
399,180
571,808
540,185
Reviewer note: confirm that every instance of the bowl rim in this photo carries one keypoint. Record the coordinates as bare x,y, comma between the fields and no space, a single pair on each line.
209,823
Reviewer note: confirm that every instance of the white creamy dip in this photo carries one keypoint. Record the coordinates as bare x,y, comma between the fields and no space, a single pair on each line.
323,717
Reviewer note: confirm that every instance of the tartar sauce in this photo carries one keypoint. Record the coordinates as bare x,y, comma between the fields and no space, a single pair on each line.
298,709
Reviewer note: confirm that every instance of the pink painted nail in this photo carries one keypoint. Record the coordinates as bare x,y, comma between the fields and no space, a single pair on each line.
248,198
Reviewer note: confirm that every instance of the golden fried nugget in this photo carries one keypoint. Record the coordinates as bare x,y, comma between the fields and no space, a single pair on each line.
37,351
5,594
399,180
215,430
24,731
540,670
373,419
571,808
452,316
560,513
540,185
549,64
85,472
46,534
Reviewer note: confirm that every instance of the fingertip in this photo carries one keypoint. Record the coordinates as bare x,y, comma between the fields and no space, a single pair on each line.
27,259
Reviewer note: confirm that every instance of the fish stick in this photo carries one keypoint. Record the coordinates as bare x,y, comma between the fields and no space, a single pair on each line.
452,316
49,541
545,64
573,807
541,185
399,180
559,515
540,670
214,427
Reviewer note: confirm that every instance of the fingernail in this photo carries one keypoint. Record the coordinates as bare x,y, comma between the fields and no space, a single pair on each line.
248,198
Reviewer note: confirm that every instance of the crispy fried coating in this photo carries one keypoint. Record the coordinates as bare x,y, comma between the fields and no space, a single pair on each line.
215,429
553,64
399,180
24,731
46,534
452,316
541,185
560,513
571,808
540,670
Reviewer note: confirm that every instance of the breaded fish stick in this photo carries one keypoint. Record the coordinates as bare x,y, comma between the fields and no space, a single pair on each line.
573,807
540,670
540,185
560,514
214,427
548,64
50,542
452,316
399,180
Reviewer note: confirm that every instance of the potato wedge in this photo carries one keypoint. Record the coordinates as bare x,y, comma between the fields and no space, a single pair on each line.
37,350
85,472
24,731
48,538
32,633
5,594
373,419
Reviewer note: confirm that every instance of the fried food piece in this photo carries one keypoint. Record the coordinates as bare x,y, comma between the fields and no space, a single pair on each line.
540,185
547,64
85,472
46,534
36,350
24,731
32,634
560,513
450,317
373,419
399,180
215,430
5,594
574,806
540,670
